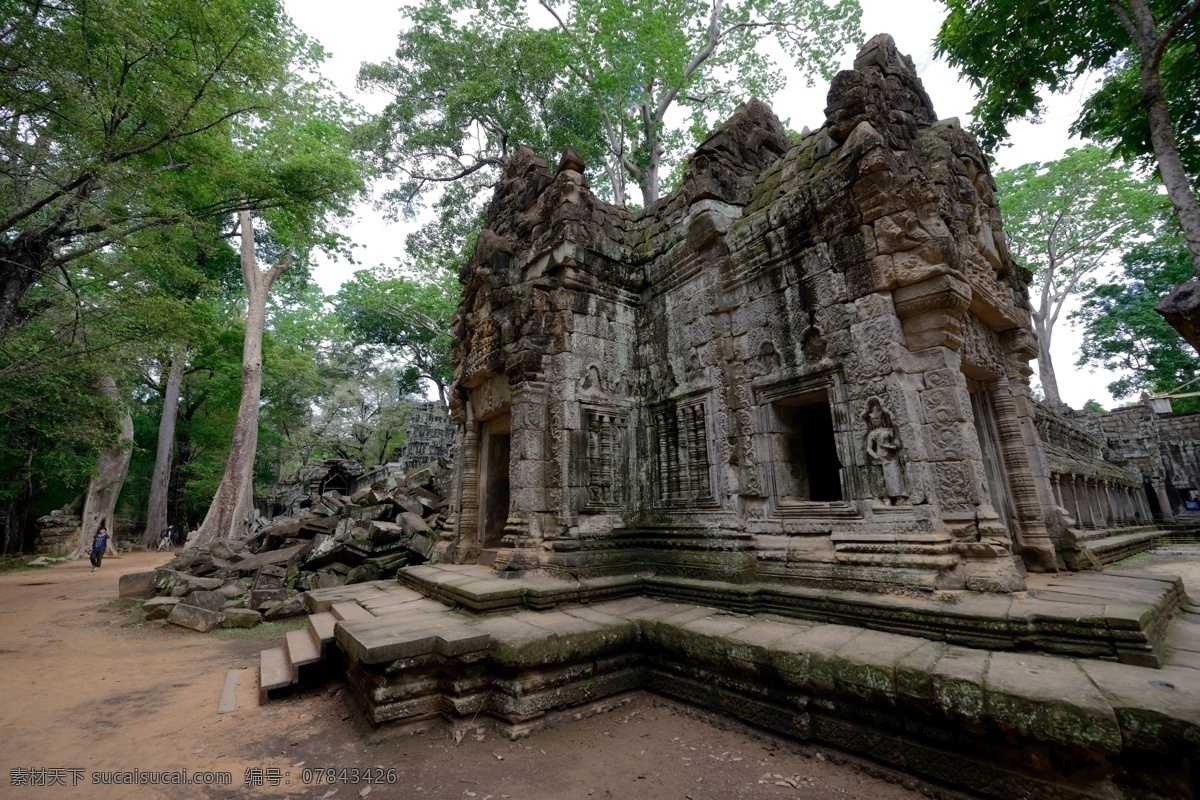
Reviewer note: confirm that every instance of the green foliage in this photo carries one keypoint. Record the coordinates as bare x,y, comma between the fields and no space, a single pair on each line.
1014,53
123,115
636,60
467,93
1116,113
1094,407
411,316
1065,218
133,128
473,80
1122,333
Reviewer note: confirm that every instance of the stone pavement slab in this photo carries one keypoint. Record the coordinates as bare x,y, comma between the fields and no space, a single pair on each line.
1049,698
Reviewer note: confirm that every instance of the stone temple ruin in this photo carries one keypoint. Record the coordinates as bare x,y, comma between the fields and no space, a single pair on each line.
767,446
807,365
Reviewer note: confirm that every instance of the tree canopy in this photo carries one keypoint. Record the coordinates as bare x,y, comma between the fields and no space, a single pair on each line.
1066,220
1015,52
119,116
1122,333
474,79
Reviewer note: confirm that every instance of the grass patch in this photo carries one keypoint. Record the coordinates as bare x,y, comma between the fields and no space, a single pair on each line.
265,630
17,564
1132,559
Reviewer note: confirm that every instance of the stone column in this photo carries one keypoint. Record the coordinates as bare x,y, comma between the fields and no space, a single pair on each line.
1082,506
1054,484
528,470
1101,519
1032,539
1164,502
467,526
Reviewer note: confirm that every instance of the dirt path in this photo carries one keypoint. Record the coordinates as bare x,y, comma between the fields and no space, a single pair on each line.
83,693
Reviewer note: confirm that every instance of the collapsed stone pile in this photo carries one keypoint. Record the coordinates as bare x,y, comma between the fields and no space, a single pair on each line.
337,540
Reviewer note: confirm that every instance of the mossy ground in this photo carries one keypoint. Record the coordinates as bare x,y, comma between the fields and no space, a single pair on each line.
267,630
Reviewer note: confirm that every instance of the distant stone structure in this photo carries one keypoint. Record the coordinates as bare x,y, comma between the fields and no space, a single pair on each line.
340,475
58,531
430,435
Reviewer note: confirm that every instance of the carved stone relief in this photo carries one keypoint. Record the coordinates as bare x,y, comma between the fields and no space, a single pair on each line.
883,450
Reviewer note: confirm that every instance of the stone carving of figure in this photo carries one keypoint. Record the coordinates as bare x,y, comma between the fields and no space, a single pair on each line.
882,446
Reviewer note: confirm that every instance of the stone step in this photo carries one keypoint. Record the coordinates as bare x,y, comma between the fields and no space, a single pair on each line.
274,671
350,611
1111,549
320,628
301,650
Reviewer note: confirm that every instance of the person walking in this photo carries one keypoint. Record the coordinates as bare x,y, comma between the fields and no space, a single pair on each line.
99,545
164,539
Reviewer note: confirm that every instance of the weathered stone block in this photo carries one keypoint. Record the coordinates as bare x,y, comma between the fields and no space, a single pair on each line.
159,607
198,619
240,618
137,584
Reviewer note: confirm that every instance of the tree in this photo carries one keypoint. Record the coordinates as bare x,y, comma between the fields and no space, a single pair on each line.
604,81
156,506
1014,51
100,500
1122,333
392,310
465,95
234,499
1065,220
119,116
637,61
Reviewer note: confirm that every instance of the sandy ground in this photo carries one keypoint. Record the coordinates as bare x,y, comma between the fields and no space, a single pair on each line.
84,693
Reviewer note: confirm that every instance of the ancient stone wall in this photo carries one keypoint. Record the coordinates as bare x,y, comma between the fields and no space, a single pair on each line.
809,363
1162,452
429,436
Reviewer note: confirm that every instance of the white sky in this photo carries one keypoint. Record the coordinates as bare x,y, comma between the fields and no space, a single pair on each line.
357,31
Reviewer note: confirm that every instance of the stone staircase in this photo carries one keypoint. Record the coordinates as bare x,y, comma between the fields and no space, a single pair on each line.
303,652
280,667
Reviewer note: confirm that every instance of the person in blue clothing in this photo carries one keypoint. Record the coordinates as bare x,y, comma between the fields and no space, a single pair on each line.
99,545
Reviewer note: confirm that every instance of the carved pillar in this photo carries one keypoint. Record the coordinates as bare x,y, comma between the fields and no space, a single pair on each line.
1072,486
1101,520
1083,513
468,511
1055,479
1032,538
1111,517
528,468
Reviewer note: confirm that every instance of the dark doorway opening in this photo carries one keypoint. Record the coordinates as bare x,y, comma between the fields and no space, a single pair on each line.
335,483
812,468
494,502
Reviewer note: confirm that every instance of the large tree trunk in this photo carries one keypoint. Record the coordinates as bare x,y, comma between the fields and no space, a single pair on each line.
1048,378
105,487
1181,308
1044,318
160,483
230,510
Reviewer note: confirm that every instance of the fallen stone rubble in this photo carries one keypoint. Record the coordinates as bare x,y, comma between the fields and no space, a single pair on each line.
337,541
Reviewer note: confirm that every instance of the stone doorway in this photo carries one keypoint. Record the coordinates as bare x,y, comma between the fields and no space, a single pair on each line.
494,450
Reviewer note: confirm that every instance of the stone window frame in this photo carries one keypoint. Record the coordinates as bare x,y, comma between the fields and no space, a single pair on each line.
832,384
626,499
653,497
